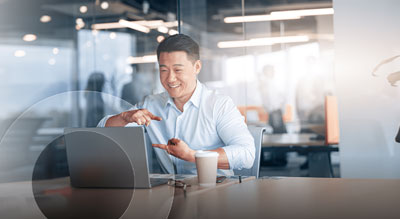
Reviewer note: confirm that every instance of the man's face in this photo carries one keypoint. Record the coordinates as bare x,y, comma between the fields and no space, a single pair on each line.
178,74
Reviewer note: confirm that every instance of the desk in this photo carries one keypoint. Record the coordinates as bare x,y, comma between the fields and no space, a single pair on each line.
318,153
55,198
296,198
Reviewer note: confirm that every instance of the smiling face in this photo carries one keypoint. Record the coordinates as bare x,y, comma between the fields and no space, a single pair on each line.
178,75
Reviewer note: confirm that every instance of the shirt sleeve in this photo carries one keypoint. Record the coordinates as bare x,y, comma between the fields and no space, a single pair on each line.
103,121
239,143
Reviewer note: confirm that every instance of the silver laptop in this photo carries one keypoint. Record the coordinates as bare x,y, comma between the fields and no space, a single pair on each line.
110,157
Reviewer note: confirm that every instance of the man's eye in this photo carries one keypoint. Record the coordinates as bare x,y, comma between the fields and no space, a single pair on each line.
178,70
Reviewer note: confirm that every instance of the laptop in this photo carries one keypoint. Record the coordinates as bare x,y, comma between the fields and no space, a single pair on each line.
109,157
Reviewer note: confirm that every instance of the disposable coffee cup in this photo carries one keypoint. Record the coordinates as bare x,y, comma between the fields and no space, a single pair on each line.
206,164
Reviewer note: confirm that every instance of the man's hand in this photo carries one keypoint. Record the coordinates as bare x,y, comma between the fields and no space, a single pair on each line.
139,116
179,149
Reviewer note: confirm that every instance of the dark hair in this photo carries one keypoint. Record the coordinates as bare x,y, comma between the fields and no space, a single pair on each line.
179,42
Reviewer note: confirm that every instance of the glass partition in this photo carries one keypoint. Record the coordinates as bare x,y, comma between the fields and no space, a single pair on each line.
270,62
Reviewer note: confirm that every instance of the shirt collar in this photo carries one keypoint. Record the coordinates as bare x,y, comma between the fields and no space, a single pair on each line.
196,96
194,99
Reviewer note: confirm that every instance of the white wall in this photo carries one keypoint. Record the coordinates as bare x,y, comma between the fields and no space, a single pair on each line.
367,32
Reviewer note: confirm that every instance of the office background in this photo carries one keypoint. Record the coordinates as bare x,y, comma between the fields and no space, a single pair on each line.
54,60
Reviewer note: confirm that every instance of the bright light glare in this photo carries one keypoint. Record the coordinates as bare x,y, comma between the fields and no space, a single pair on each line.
134,26
172,32
280,15
104,5
83,9
19,53
45,19
113,35
52,61
262,41
160,38
79,23
128,70
56,51
152,24
255,18
142,59
305,12
162,29
29,37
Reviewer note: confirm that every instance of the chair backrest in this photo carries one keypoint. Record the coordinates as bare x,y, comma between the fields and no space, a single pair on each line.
257,133
331,121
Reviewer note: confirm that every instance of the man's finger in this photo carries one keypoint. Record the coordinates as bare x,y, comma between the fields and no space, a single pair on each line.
148,120
174,141
162,146
153,117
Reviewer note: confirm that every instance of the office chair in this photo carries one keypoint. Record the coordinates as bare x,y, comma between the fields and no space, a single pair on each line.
257,133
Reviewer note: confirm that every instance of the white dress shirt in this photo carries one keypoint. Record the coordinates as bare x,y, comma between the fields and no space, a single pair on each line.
208,121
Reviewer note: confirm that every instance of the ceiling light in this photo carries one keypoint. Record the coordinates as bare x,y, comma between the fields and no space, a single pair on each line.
171,24
29,37
262,41
142,59
19,53
83,9
305,12
45,18
160,39
113,35
103,26
280,15
134,26
162,29
152,24
56,51
172,32
79,23
255,18
104,5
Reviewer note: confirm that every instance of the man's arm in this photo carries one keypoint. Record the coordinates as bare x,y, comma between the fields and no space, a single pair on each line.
231,128
139,116
181,150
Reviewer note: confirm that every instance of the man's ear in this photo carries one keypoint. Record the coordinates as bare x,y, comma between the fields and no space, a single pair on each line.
197,66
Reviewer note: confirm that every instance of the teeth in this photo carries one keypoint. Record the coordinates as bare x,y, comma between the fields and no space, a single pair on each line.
173,86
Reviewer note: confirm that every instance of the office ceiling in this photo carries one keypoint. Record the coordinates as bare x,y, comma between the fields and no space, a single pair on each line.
18,16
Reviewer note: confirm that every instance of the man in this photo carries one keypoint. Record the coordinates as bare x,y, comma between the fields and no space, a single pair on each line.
189,116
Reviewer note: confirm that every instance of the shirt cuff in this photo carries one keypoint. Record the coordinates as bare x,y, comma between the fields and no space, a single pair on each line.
103,121
231,153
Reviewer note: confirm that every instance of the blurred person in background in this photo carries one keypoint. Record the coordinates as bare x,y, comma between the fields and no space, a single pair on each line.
94,99
139,87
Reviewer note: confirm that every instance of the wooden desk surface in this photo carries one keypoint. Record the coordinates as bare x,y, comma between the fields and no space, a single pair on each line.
299,198
296,198
57,199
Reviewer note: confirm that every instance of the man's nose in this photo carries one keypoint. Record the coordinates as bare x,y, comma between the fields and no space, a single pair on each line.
171,76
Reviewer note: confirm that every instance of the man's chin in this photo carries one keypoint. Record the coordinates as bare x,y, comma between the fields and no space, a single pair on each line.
173,94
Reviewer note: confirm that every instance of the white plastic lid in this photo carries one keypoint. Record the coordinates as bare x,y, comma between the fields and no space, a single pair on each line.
201,153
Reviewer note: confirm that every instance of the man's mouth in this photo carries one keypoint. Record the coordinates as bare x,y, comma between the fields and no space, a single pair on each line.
173,85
